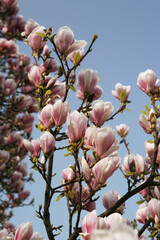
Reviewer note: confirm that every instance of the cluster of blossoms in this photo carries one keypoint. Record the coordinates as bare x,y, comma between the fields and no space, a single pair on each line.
24,231
16,113
11,24
44,87
111,227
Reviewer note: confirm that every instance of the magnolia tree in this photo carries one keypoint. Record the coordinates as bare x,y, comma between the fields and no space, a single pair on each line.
83,133
16,118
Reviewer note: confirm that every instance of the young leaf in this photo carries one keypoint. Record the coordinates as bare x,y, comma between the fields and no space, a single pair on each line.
147,108
73,88
67,154
76,58
122,133
129,110
150,141
41,34
140,202
59,197
144,112
122,95
48,92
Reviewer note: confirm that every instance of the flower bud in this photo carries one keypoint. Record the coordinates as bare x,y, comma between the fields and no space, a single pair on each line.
47,142
147,81
34,40
59,112
76,125
101,111
35,76
24,231
122,130
121,92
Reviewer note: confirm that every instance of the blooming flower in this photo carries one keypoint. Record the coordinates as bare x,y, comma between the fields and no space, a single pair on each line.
121,92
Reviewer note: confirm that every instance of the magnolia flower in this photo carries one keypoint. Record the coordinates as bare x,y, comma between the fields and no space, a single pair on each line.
121,92
76,125
147,81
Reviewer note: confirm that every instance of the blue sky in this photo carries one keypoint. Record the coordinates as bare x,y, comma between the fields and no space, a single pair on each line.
128,43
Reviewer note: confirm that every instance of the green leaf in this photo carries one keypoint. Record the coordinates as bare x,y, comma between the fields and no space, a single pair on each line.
59,197
147,108
41,34
75,212
140,202
48,92
67,154
153,234
150,141
158,178
129,173
122,133
144,112
76,58
122,95
72,88
129,110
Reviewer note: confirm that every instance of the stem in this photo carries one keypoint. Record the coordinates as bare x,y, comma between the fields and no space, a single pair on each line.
46,214
143,228
148,183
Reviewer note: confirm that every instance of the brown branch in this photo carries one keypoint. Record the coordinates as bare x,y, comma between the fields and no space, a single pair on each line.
46,214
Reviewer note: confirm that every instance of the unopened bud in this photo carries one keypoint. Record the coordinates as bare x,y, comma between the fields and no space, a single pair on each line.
95,36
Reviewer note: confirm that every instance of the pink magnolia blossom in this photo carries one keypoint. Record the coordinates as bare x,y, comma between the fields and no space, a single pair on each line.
134,163
50,65
65,41
154,209
34,40
24,231
119,232
90,136
29,26
35,76
145,124
122,130
105,142
4,156
45,50
156,192
142,214
87,84
147,81
46,117
72,55
9,87
121,92
33,147
103,169
47,142
59,112
76,125
85,169
15,24
68,174
58,90
36,236
86,192
150,152
101,224
113,220
24,194
89,224
110,198
101,111
4,234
